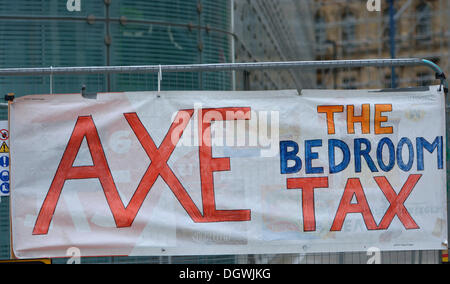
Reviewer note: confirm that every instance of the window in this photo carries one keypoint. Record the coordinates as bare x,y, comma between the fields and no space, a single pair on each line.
320,29
388,81
348,30
423,23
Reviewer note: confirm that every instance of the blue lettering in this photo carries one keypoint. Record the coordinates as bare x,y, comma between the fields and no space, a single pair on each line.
391,148
401,164
363,153
286,156
332,144
309,156
437,143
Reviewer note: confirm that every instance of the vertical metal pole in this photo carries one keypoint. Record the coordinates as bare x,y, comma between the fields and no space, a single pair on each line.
200,41
108,43
334,70
246,80
233,43
159,80
392,40
51,81
447,155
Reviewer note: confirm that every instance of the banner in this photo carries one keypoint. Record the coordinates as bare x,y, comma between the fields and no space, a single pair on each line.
200,173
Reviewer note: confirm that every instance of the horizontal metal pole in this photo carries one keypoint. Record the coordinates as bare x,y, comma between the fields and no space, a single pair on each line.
227,67
211,67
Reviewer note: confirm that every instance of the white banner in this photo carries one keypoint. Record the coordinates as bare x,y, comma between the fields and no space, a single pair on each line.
195,173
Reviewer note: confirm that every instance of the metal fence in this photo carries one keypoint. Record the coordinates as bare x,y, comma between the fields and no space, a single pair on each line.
228,76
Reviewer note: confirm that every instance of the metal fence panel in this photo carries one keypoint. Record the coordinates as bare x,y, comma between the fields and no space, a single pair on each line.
248,76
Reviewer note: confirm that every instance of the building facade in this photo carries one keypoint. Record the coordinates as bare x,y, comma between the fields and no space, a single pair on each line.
45,33
273,31
348,30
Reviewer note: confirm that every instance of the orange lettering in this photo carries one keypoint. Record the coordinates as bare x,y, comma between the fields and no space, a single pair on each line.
364,119
330,111
379,109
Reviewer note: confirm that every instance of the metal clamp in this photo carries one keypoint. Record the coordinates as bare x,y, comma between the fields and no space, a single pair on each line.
86,95
439,74
9,97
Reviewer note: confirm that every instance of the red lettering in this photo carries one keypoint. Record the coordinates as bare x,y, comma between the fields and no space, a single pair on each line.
308,185
83,128
353,188
397,202
158,167
209,165
123,216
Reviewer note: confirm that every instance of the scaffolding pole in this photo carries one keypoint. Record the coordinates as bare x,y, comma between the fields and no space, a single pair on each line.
52,71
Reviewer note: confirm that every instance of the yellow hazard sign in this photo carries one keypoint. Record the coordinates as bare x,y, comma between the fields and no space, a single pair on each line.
4,148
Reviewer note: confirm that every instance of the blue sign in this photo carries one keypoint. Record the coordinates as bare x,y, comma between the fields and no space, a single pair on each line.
4,161
4,175
4,188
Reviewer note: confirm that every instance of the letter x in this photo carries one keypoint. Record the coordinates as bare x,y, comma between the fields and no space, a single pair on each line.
397,202
159,157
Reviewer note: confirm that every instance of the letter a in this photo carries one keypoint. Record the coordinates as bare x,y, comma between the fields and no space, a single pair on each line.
84,127
353,188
